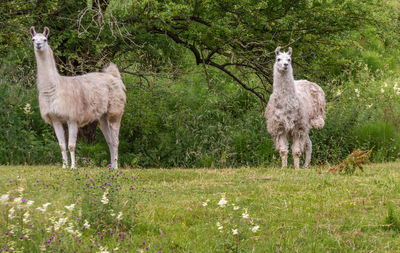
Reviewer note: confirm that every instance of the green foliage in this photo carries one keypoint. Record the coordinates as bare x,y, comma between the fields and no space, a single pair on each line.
392,219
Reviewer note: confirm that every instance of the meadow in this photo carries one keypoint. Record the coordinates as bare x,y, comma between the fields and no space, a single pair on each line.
92,209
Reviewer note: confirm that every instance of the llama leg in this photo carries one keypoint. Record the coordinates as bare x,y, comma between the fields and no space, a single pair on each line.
308,152
73,132
283,147
114,125
297,148
58,128
105,129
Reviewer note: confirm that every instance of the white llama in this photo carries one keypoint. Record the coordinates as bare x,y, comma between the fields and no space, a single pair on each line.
293,108
78,100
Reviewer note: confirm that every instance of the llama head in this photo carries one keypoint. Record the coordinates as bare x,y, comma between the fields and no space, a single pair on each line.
283,59
40,39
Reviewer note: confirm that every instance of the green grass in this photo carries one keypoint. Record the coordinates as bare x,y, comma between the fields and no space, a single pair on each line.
297,211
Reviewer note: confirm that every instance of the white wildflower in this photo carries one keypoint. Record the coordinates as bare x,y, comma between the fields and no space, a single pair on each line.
255,228
30,202
11,213
119,217
385,85
70,228
104,199
70,207
26,218
357,92
4,197
60,223
222,203
18,200
27,109
86,224
206,202
112,213
369,106
382,90
219,226
338,92
44,207
235,207
20,189
103,250
245,215
234,231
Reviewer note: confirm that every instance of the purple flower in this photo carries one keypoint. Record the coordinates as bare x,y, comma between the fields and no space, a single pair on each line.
132,187
109,165
11,197
116,188
6,233
111,233
147,248
20,237
24,200
87,183
83,227
91,246
83,158
143,242
77,218
37,180
10,181
95,203
91,179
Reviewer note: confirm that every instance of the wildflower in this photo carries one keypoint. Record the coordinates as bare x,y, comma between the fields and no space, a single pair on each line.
234,231
10,181
382,90
30,202
4,197
60,223
109,165
70,207
132,187
86,224
143,242
27,109
18,200
11,213
222,203
119,217
11,197
245,215
147,248
219,226
235,207
255,228
95,203
357,92
26,217
103,250
83,158
104,199
385,84
338,93
44,207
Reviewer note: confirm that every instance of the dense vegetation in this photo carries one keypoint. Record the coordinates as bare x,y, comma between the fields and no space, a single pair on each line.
198,75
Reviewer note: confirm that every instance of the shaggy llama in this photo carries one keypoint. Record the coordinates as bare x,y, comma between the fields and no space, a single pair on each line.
293,108
78,100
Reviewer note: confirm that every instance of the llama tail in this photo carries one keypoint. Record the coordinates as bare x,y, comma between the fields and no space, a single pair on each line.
112,69
318,122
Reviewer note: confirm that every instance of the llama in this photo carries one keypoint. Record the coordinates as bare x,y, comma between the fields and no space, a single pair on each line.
293,108
78,100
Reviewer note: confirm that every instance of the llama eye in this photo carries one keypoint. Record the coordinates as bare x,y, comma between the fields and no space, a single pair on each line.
45,40
279,59
288,60
33,39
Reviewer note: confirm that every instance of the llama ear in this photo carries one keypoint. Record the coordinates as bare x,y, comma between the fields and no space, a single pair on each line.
46,32
32,30
290,51
277,50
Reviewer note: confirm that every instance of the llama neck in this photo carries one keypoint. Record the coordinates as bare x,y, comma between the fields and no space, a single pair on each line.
47,72
284,82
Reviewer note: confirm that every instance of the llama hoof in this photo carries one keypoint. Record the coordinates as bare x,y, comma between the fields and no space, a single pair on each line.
73,167
64,166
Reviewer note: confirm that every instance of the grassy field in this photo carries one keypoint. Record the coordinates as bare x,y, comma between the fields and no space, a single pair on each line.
183,210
